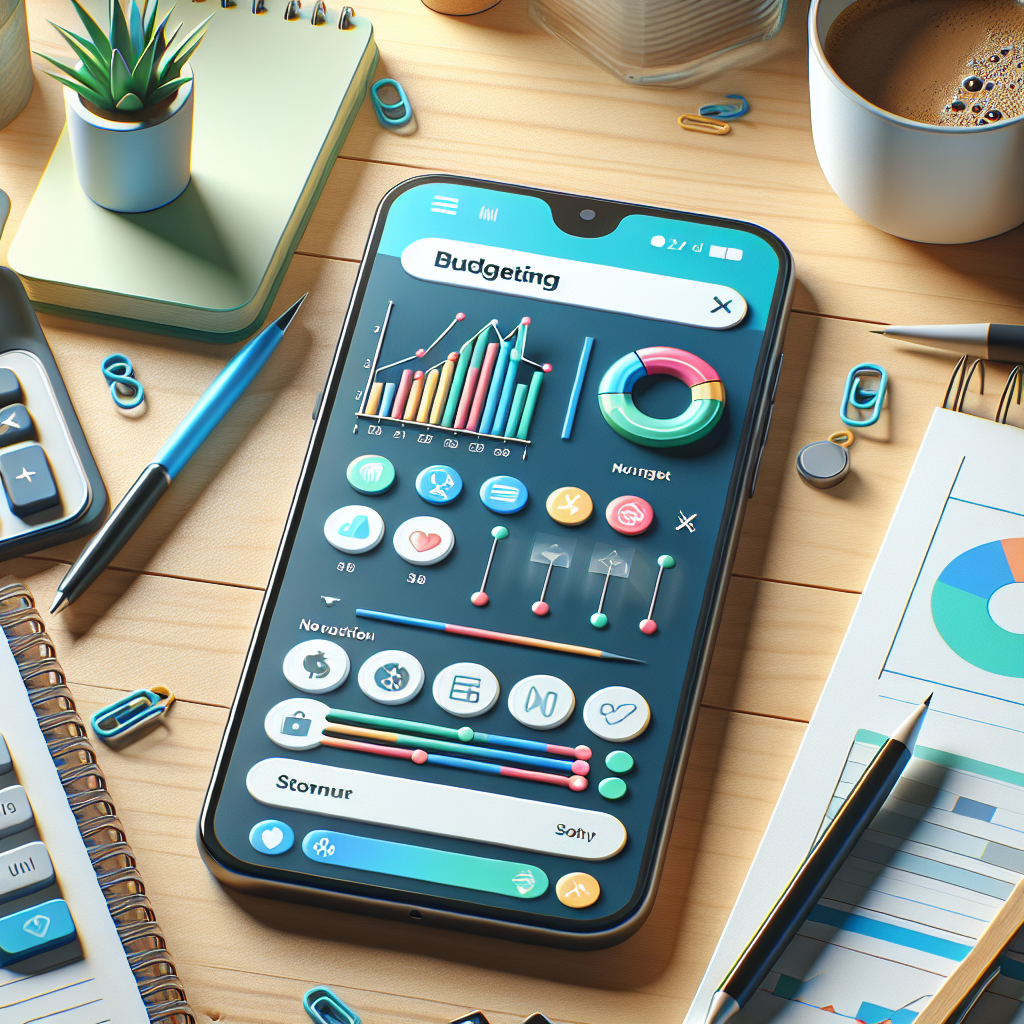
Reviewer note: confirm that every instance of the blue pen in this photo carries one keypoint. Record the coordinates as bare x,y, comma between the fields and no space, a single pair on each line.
193,430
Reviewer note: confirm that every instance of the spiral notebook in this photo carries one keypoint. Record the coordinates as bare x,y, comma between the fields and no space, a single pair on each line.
79,943
274,99
942,613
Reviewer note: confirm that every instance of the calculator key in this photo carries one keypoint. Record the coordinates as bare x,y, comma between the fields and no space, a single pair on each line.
424,540
577,890
10,387
27,480
504,494
438,484
541,702
15,810
370,474
16,425
616,713
5,758
354,529
466,689
391,677
35,930
271,837
316,666
23,870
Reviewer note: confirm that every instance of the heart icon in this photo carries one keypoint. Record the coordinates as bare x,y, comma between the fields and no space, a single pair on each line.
272,837
423,541
613,714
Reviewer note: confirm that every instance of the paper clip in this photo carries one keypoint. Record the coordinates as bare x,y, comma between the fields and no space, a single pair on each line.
125,390
857,396
324,1007
726,111
126,719
391,115
700,123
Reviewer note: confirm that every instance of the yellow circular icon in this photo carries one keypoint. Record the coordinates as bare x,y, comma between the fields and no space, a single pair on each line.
577,889
569,506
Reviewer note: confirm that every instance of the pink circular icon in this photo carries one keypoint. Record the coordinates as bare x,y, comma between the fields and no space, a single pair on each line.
629,515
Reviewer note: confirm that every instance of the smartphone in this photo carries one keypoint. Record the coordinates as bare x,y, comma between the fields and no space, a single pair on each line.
476,671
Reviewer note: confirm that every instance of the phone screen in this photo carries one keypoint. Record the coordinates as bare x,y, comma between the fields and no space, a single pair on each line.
479,658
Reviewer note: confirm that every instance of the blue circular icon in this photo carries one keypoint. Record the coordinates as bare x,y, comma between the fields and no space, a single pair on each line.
504,494
438,484
271,837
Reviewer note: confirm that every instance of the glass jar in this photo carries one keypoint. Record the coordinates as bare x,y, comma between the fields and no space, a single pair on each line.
662,42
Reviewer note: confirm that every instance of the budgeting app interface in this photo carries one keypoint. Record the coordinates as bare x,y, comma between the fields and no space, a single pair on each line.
473,665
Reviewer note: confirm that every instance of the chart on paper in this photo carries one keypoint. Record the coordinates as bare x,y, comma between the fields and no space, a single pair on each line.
942,613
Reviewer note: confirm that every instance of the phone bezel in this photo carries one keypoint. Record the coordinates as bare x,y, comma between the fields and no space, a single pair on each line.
291,885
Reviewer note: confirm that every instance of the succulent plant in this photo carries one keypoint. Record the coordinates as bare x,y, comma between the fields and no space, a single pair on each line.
133,65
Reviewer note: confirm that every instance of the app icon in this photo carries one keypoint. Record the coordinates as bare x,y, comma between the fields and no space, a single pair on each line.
296,723
354,529
316,666
466,689
541,702
370,474
391,677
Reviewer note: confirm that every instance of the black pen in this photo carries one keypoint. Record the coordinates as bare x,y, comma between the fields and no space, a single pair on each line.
1002,343
820,867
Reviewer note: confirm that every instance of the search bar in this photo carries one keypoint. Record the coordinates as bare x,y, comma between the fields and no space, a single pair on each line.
591,285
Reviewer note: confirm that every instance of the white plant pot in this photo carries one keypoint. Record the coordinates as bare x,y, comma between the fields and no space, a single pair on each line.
132,166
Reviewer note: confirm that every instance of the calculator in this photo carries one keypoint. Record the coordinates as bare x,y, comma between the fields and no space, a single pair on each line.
475,675
50,480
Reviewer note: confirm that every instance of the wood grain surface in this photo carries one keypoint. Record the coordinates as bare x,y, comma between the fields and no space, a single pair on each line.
497,97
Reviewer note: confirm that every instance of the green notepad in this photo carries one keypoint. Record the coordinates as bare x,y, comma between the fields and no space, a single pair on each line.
274,100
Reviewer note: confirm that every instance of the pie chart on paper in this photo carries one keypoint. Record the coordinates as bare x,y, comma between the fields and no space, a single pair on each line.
961,606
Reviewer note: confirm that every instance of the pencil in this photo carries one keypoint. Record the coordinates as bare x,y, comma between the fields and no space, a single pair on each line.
962,989
818,870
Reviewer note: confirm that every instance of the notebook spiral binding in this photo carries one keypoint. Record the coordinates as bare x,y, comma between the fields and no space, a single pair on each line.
85,786
960,383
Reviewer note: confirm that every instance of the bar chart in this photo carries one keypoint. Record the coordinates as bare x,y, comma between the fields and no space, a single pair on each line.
486,387
909,904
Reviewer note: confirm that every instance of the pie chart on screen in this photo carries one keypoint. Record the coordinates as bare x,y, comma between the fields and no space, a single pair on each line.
975,598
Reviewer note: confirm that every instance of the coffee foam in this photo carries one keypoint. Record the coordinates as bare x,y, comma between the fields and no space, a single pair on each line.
934,61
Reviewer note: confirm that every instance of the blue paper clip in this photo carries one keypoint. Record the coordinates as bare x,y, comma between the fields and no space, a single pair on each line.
857,396
324,1007
391,115
125,390
126,719
726,111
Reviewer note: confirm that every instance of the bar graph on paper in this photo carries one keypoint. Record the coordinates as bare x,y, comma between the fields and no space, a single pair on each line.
909,904
486,385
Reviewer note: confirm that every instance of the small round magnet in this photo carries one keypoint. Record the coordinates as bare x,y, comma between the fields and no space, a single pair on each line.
825,463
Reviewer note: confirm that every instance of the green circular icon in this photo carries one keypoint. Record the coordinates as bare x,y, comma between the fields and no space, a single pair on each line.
619,761
612,789
370,474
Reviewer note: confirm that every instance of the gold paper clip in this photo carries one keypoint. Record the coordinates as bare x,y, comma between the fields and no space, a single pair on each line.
707,125
126,719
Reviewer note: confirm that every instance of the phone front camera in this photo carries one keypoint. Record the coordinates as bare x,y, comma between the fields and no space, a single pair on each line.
587,214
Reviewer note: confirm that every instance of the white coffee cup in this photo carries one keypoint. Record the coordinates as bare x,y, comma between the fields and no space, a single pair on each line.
924,182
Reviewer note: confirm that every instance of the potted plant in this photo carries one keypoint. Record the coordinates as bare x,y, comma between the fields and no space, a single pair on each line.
129,107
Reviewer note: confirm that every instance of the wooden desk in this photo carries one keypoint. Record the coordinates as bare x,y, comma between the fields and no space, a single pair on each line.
497,97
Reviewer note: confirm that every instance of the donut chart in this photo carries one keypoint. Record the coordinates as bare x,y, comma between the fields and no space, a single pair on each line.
696,421
960,611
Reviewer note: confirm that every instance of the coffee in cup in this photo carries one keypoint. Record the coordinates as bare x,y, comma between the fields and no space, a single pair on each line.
943,62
